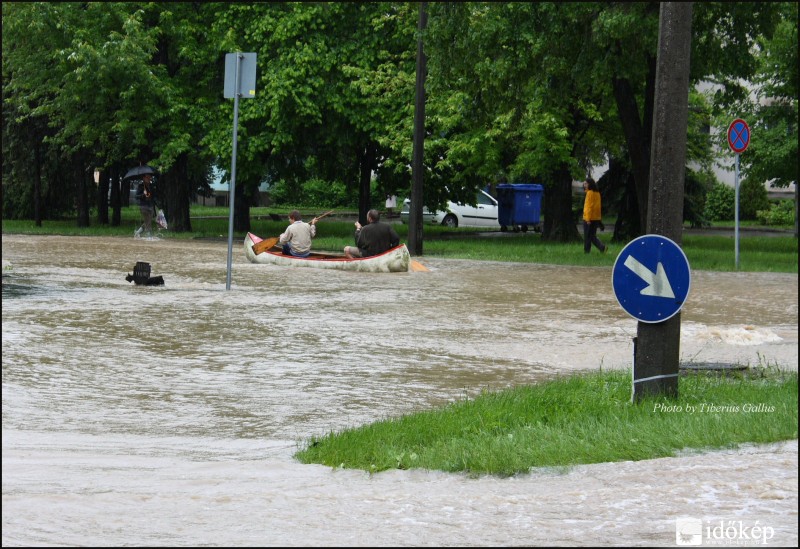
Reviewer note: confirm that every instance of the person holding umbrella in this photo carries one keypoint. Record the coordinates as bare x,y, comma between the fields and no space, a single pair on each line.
144,196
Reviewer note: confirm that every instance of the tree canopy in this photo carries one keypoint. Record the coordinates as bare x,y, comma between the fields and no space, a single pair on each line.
516,92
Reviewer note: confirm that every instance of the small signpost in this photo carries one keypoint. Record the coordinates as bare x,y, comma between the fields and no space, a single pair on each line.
651,281
240,74
738,140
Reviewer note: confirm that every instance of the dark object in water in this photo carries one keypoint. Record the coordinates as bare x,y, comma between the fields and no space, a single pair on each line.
141,276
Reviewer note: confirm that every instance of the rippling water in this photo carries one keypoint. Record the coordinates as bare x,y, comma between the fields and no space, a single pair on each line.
169,415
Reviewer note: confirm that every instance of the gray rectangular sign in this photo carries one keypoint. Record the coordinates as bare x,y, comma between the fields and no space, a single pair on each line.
247,75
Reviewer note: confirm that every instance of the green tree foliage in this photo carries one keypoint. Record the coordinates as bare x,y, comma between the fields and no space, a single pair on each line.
188,57
722,53
513,99
37,179
334,80
772,154
100,75
527,92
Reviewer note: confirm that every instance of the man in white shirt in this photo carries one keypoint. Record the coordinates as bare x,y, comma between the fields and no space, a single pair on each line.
296,239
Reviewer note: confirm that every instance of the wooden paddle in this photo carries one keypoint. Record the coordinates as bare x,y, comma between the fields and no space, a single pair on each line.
265,244
323,215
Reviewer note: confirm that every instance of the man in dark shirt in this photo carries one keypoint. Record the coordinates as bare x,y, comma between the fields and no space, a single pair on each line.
372,239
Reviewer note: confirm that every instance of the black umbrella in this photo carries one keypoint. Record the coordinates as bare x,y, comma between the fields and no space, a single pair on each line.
139,171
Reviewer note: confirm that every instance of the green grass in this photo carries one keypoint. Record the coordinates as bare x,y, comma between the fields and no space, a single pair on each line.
579,419
705,253
756,254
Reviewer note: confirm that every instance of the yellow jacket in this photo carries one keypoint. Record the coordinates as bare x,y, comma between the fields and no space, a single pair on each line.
591,207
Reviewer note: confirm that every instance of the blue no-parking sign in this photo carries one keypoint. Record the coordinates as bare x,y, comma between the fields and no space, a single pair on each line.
651,278
738,136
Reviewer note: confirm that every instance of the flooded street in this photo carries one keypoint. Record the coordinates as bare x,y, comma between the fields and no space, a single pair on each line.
168,415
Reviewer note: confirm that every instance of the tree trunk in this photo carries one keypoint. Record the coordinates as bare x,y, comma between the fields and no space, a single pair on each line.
102,196
559,220
638,142
123,194
180,212
638,132
657,353
796,209
37,185
628,225
241,209
84,184
365,163
178,198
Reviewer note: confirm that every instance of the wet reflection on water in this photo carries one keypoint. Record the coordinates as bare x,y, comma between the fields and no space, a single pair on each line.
123,403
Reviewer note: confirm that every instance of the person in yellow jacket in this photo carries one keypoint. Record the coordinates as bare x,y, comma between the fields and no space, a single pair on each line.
592,217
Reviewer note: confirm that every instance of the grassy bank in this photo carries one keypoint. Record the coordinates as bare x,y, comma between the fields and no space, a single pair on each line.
573,420
705,253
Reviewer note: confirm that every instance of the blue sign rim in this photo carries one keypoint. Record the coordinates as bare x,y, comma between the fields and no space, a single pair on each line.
688,282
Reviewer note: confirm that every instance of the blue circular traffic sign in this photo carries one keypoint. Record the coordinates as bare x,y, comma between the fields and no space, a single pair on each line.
738,135
651,278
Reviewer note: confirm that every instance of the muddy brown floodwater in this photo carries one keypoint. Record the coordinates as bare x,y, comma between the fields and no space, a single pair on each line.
169,415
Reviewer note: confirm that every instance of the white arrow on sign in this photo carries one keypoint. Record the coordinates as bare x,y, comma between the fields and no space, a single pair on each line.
658,283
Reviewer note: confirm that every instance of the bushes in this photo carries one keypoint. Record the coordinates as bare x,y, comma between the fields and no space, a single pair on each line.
720,203
778,213
311,193
325,193
752,198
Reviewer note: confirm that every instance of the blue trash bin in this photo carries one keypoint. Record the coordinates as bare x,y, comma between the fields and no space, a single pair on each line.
519,206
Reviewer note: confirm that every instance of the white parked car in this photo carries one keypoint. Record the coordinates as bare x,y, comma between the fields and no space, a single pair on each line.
483,214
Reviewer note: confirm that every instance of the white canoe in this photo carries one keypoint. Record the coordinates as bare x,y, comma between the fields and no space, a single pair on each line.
395,260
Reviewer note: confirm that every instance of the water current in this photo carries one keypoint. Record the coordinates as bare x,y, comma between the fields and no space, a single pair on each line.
169,415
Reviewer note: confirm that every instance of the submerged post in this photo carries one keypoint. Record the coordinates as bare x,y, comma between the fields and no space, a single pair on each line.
240,73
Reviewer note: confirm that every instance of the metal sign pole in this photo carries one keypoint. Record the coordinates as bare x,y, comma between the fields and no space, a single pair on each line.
738,140
232,189
240,72
736,214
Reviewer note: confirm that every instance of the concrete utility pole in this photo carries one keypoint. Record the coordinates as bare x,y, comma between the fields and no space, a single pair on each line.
417,161
657,345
